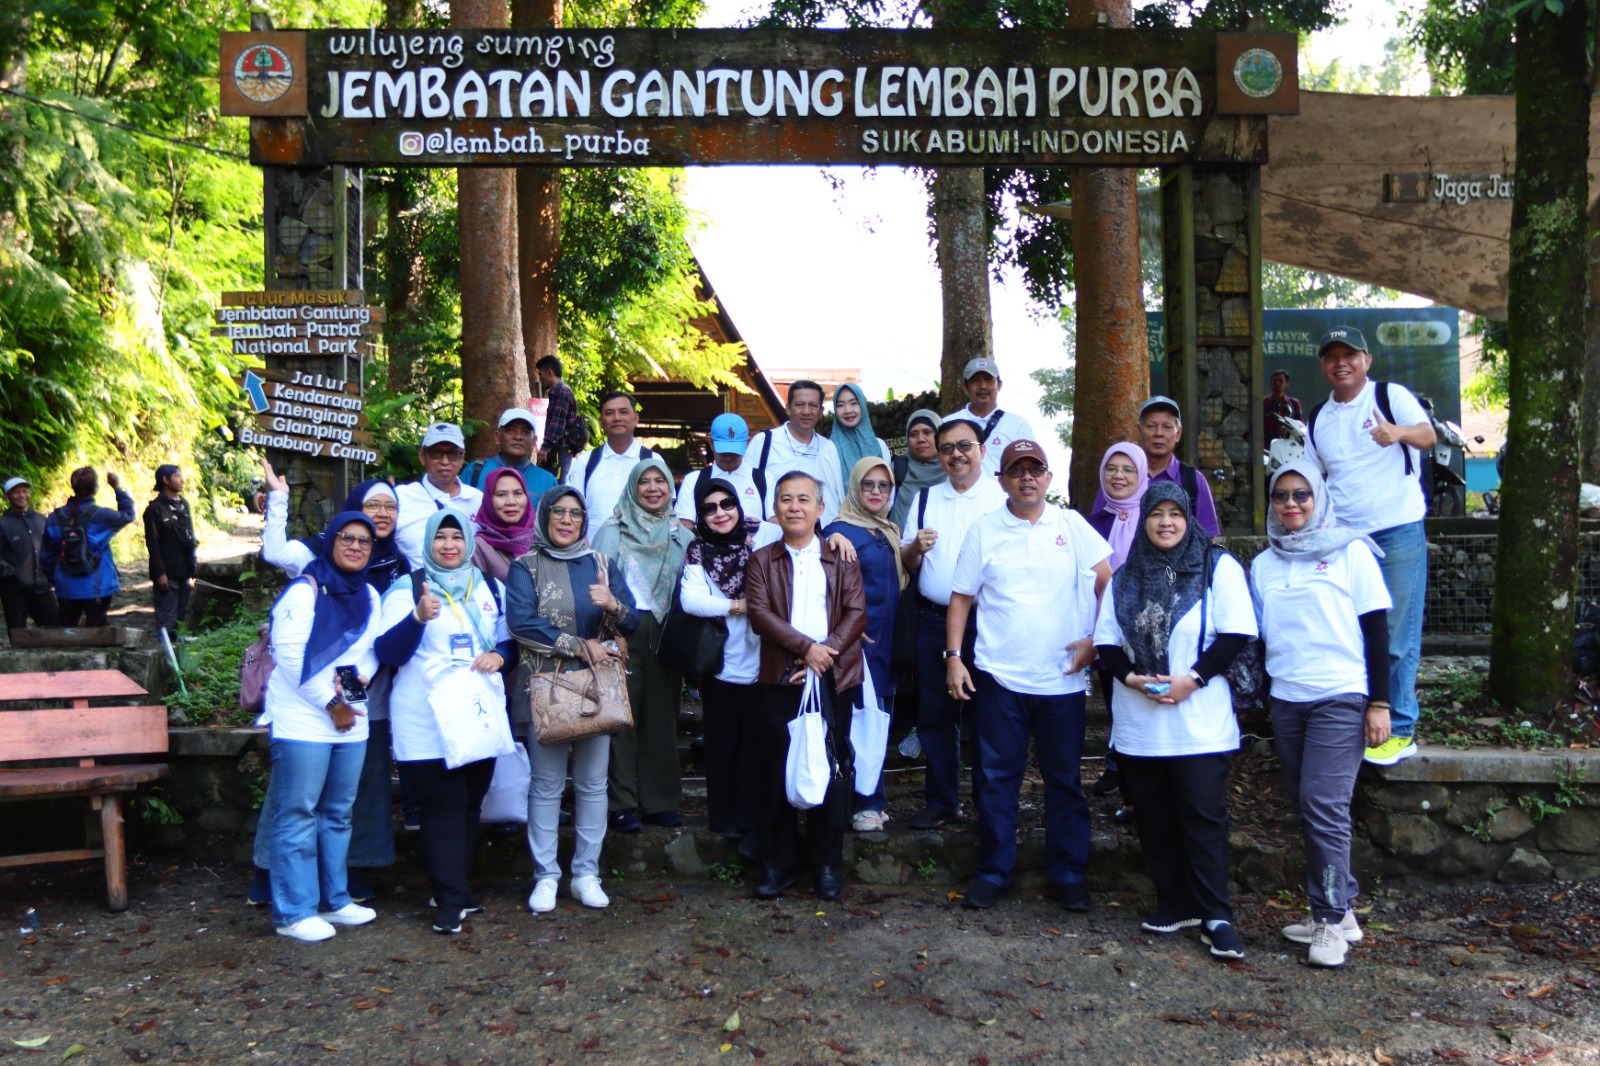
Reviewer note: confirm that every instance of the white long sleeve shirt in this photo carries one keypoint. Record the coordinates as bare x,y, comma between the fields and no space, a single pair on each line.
297,710
741,656
287,555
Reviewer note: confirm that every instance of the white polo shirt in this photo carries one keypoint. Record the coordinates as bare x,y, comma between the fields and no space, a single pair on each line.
418,500
952,514
1367,481
740,479
808,607
602,491
819,458
1026,577
1310,617
1010,427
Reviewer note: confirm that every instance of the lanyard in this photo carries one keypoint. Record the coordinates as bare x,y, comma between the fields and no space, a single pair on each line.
460,617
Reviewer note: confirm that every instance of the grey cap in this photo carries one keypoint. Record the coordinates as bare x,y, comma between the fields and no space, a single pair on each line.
14,482
1348,336
444,433
980,365
1160,403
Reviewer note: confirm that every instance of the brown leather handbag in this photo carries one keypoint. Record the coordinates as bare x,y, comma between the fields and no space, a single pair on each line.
575,700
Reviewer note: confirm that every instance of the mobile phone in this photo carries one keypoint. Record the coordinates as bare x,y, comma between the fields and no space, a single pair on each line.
790,672
351,690
1157,688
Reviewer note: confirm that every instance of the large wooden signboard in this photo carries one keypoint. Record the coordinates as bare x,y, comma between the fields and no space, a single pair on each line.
635,97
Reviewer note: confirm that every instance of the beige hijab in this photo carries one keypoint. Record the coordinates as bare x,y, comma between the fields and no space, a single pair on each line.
854,510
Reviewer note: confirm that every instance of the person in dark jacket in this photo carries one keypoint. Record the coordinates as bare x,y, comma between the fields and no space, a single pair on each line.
24,583
169,537
76,551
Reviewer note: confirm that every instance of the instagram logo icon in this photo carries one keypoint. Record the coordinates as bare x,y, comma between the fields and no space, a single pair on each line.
410,143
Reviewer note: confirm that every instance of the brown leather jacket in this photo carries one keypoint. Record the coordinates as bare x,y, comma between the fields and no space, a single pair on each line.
768,588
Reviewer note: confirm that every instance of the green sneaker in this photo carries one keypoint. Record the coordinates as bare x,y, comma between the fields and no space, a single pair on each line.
1391,751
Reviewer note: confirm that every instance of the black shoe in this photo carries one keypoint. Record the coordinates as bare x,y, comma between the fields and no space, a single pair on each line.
1224,941
665,819
259,894
774,883
750,846
564,819
360,891
626,822
982,895
930,818
1074,896
475,907
829,885
447,920
1165,923
1109,784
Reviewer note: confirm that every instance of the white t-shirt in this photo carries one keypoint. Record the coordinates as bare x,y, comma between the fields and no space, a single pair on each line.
1368,482
740,479
1204,723
1010,427
819,458
1310,616
297,711
1026,577
448,643
419,499
951,513
741,655
808,609
605,488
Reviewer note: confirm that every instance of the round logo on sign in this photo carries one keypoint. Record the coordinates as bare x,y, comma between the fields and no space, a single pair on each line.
263,73
1258,73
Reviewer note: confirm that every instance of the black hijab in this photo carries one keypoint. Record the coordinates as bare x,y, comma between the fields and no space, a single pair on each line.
1154,589
723,555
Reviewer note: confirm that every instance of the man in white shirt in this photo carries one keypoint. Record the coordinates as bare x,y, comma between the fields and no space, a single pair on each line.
730,437
796,445
935,528
1034,572
601,473
1369,438
443,452
980,380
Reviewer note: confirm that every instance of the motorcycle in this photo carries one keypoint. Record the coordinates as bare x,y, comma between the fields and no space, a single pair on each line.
1446,490
1287,448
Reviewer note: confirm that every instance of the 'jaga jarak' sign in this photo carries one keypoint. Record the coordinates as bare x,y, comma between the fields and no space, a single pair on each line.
676,97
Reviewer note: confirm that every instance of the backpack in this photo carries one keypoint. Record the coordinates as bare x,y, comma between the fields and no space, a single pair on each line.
77,558
1423,473
759,474
594,464
1247,674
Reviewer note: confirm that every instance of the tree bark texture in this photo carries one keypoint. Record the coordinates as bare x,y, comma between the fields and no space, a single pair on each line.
1537,545
962,234
538,222
1589,453
494,375
399,263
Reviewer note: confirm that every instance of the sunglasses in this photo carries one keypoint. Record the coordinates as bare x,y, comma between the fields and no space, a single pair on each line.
876,486
360,540
1298,495
949,446
711,507
574,513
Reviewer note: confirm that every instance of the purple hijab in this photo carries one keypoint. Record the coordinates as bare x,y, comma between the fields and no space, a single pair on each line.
1124,514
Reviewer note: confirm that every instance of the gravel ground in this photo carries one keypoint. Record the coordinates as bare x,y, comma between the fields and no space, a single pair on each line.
698,972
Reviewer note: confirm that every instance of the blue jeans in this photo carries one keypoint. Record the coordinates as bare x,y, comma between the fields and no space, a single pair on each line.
1006,720
314,789
1405,572
371,820
939,715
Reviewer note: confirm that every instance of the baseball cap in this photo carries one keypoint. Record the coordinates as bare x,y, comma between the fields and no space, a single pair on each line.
980,365
1023,449
729,434
1346,335
515,414
1160,403
14,482
444,433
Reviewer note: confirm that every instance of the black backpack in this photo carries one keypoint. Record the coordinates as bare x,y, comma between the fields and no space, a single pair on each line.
1423,473
77,558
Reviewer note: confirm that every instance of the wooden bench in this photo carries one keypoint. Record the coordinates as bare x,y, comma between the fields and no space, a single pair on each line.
79,731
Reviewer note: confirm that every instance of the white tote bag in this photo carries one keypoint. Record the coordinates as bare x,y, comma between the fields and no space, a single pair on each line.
507,798
869,736
469,708
807,771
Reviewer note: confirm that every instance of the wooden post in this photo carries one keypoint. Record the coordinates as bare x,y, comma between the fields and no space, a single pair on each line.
116,854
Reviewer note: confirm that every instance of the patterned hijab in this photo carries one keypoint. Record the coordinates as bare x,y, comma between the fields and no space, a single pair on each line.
651,541
853,511
723,555
513,539
344,599
856,442
1124,527
1154,589
456,582
1320,537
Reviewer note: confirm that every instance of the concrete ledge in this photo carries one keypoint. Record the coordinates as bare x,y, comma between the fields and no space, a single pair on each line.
219,743
1492,766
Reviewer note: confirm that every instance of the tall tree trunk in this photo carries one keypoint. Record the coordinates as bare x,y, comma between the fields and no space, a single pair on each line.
962,234
399,258
1113,357
493,373
538,221
1589,452
1537,546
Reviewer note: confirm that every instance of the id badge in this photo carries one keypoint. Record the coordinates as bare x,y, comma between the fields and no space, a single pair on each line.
460,648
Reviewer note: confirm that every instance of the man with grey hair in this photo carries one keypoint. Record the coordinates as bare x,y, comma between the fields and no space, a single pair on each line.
1160,430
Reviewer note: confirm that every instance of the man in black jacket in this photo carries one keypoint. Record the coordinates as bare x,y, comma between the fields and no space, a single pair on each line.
24,585
169,537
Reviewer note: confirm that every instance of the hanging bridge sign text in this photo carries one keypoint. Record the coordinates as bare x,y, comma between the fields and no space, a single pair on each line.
634,97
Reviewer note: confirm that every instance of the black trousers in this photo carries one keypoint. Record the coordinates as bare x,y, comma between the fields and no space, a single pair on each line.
450,801
733,776
93,612
172,605
1180,809
21,604
781,842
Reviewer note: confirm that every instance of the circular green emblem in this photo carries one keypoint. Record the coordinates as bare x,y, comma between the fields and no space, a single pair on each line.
1258,73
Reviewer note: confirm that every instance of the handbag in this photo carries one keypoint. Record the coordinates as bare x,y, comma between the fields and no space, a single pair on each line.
254,671
469,708
869,737
583,699
507,798
690,644
807,768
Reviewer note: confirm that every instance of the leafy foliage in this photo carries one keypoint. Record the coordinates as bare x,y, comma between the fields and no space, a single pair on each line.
211,672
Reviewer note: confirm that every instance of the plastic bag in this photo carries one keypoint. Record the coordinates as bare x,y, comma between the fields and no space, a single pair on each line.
507,798
807,769
470,709
869,737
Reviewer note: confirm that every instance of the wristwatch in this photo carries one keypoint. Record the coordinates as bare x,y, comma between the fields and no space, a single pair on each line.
1197,678
950,653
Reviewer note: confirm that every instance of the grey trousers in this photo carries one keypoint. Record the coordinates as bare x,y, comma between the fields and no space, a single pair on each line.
591,758
1321,745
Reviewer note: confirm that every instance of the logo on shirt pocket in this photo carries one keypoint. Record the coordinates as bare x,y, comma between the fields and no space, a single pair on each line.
1322,566
1061,541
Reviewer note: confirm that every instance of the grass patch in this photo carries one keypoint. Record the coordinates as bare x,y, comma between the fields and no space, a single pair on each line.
211,672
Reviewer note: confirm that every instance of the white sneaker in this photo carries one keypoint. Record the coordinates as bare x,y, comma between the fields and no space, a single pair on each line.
543,899
1328,946
868,821
349,914
1306,931
309,930
587,890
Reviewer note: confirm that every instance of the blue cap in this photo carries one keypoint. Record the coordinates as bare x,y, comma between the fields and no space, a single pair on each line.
729,434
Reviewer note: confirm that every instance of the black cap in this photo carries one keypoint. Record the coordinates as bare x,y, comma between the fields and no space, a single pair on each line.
1348,336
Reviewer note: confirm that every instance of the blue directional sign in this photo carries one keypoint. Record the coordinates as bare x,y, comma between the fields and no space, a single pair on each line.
254,387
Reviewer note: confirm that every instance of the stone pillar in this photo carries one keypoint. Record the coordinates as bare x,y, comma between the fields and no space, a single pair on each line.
1211,247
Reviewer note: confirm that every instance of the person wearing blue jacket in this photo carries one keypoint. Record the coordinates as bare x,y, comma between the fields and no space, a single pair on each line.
77,549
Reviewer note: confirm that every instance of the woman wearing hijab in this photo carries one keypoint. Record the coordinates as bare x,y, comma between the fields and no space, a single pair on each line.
504,534
712,586
919,467
852,430
374,498
1179,614
1324,615
863,521
648,545
453,622
323,624
564,599
1124,471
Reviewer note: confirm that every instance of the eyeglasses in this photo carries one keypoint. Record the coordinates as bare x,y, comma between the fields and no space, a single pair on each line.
711,507
1298,495
1033,470
574,513
949,446
360,540
876,486
438,454
379,507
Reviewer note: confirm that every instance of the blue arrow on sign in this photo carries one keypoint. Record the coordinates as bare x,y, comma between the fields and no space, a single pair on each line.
254,386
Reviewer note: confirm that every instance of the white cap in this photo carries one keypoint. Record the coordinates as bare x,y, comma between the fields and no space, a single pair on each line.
516,414
444,433
14,482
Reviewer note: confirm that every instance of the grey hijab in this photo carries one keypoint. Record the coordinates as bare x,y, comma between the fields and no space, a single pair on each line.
1320,537
920,473
1154,589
